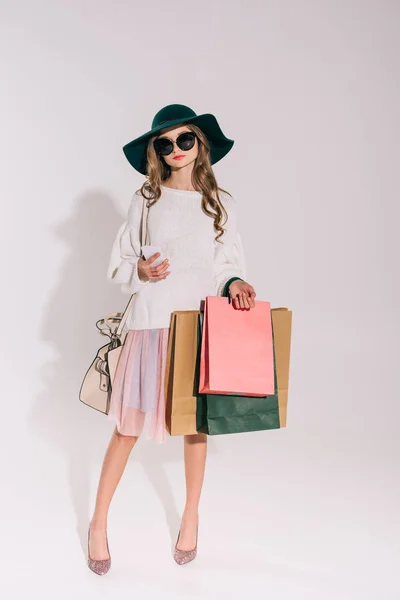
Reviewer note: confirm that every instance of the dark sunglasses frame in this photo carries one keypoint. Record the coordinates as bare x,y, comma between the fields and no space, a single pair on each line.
164,145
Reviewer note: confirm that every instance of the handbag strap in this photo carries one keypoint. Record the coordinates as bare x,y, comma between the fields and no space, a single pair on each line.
143,235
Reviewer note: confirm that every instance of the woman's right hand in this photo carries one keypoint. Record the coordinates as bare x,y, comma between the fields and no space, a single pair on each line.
148,273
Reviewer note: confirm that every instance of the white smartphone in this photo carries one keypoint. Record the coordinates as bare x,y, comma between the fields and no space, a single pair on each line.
148,251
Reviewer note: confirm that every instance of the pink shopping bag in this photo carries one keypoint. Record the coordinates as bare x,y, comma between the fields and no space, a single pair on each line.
237,355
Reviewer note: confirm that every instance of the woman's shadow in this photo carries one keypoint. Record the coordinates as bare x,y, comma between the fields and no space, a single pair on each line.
81,297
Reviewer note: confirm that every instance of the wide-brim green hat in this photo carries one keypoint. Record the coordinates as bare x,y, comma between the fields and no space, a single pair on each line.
175,114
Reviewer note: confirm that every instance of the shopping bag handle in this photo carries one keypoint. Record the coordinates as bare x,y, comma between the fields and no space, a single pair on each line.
225,292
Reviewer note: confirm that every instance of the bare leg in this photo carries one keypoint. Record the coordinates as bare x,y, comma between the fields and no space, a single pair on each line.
114,463
195,452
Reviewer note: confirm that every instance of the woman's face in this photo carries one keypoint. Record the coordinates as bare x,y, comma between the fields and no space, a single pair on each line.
187,156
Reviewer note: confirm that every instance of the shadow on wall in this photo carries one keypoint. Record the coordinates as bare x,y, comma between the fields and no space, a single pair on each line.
82,296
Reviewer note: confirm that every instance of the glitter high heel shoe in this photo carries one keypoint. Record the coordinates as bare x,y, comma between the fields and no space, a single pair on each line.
185,556
100,567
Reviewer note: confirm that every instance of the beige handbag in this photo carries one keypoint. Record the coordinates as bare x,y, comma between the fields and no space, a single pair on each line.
97,384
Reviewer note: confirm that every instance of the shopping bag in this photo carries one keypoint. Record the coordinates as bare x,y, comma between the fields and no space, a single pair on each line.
179,382
282,329
236,349
221,413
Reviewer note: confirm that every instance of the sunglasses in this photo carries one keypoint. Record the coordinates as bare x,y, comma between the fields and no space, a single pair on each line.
164,146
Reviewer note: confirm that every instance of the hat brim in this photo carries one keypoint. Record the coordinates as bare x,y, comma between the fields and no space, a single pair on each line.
136,150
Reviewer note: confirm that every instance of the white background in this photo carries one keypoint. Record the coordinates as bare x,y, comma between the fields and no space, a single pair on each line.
309,91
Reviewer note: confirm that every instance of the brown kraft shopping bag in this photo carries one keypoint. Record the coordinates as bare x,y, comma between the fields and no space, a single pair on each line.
282,330
179,383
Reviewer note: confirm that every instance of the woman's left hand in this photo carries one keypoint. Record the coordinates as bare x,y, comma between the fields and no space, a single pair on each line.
242,294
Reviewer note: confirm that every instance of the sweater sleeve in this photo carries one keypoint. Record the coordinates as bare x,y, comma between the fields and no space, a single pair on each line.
229,259
125,251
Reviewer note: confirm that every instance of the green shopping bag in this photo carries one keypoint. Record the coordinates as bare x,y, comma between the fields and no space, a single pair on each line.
218,414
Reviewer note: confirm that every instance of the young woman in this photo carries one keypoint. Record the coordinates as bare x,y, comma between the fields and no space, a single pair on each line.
193,221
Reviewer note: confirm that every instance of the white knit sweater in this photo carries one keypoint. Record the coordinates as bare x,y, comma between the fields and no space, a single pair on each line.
199,265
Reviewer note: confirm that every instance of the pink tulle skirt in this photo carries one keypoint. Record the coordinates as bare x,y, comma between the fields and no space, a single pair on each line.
137,399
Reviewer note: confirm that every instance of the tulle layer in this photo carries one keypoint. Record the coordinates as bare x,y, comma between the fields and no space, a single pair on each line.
137,398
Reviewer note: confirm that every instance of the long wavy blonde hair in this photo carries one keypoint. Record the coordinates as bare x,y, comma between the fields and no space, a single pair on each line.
203,179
